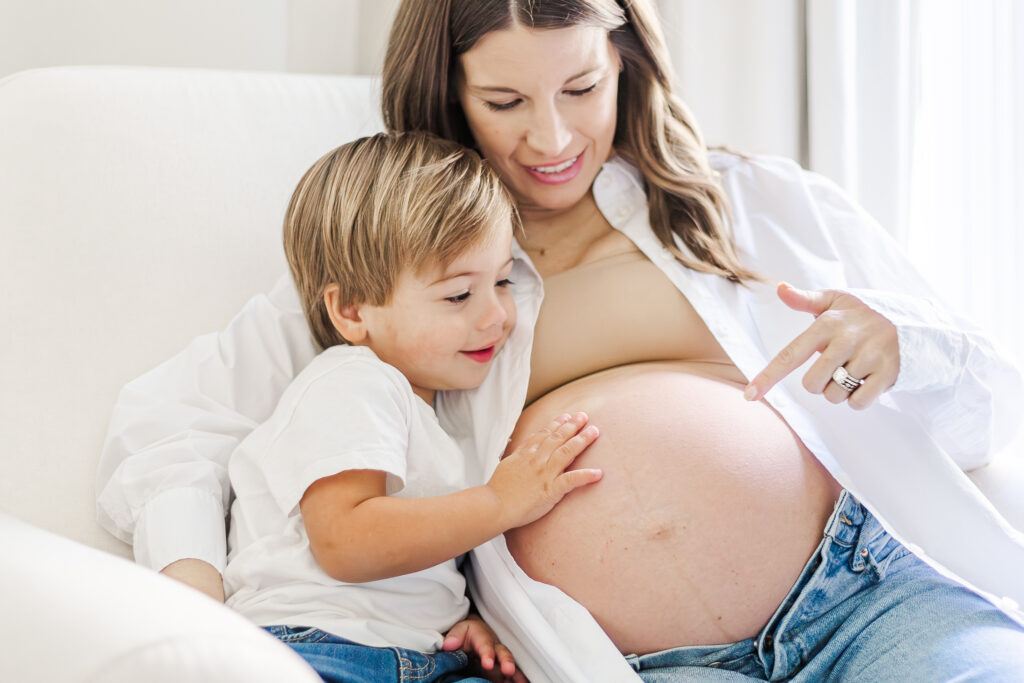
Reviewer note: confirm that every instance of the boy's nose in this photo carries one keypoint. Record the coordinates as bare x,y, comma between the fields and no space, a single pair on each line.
494,314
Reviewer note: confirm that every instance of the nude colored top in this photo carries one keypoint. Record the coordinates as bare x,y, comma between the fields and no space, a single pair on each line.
640,316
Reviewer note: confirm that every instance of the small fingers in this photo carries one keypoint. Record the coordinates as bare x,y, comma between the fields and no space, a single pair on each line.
564,455
485,652
456,637
506,662
574,479
547,432
568,429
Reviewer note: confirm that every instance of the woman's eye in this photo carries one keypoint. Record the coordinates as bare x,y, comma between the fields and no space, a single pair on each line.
505,282
580,93
501,106
458,298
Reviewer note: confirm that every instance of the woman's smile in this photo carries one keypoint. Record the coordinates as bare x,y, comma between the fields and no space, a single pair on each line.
559,173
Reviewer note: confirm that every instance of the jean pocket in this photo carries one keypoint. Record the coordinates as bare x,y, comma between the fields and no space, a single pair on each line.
419,666
298,634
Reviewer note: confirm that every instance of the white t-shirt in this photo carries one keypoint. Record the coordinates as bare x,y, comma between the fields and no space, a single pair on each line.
346,410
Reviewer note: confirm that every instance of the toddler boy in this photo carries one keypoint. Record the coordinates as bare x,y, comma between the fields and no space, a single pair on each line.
352,504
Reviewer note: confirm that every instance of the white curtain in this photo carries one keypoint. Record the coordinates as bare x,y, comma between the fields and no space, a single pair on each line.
917,108
966,204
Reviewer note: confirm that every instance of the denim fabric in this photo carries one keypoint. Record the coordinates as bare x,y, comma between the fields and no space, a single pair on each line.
341,661
863,609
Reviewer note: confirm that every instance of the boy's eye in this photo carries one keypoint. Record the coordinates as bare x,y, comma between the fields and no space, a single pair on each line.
501,106
458,298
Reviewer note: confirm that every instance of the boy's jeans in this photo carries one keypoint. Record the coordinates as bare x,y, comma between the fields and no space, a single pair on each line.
341,661
863,609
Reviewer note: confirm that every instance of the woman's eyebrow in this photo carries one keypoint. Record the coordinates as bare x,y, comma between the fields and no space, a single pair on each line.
513,91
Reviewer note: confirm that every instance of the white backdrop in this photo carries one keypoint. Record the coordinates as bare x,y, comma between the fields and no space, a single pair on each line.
318,36
728,52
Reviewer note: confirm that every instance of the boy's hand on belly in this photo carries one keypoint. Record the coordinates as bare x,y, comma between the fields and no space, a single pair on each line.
532,479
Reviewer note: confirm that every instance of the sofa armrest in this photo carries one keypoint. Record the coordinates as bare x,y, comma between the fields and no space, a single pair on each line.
72,613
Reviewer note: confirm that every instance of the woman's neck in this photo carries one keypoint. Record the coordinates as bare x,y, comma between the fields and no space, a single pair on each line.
559,240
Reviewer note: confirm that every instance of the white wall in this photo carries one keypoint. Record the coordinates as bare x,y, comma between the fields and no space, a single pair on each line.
320,36
729,53
724,50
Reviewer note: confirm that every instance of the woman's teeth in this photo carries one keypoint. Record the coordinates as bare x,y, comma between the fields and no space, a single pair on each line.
555,169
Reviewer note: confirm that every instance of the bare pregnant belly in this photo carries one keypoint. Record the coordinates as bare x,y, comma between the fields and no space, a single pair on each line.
709,508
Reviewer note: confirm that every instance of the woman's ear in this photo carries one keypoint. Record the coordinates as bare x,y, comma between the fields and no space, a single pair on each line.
344,316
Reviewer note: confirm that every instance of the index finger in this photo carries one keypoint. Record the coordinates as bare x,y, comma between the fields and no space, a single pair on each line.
786,361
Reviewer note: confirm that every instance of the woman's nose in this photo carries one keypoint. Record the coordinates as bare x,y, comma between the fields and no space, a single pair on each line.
549,132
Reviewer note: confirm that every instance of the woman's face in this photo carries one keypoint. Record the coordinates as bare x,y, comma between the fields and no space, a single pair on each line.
541,107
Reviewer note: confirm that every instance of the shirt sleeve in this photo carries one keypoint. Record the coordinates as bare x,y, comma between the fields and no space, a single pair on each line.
952,378
354,416
162,482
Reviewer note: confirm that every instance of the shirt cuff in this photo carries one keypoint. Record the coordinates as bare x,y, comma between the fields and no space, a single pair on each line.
932,349
179,524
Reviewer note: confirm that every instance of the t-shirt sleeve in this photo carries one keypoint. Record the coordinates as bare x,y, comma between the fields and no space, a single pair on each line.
352,417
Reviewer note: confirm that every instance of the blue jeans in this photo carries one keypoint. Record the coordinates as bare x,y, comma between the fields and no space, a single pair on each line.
863,609
341,661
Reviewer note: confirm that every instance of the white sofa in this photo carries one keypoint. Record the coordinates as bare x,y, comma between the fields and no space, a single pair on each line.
139,208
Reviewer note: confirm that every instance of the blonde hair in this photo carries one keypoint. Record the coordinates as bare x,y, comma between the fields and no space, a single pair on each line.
374,207
655,131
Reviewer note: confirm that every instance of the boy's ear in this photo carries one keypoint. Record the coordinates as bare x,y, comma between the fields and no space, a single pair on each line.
344,316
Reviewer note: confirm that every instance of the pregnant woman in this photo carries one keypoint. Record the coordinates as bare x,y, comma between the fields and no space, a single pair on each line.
736,531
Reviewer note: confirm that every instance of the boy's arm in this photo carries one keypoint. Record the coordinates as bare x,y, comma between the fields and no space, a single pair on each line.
198,574
358,534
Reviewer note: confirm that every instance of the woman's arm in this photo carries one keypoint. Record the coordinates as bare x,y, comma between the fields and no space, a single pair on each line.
951,378
162,481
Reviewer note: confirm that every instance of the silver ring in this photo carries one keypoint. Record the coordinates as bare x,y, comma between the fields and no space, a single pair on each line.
845,379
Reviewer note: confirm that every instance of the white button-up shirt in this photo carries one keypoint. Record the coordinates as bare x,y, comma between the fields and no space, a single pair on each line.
163,484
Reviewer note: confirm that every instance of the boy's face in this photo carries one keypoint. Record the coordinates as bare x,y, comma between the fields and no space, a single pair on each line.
443,328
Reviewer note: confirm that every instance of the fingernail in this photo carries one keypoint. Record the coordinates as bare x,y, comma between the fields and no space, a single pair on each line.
591,430
750,393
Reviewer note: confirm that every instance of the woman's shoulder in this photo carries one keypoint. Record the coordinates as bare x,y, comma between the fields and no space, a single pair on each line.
733,163
769,173
743,170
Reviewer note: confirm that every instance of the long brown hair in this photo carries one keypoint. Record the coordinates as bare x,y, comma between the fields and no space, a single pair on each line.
655,130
